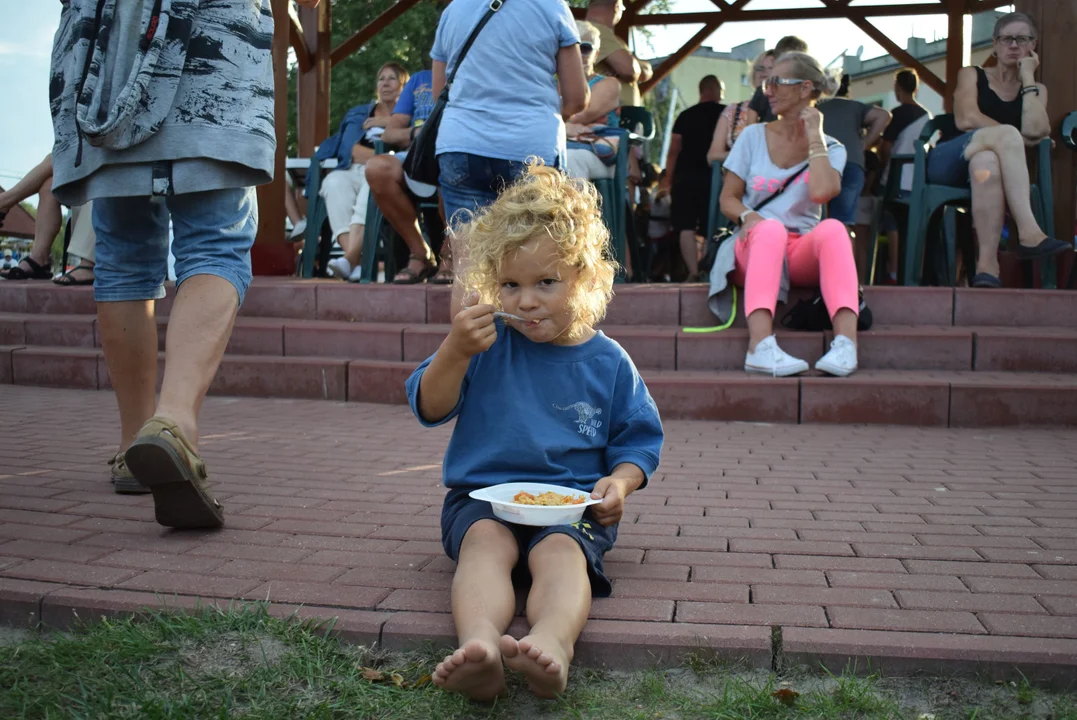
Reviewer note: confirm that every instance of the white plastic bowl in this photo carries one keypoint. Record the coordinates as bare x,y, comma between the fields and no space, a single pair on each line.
500,499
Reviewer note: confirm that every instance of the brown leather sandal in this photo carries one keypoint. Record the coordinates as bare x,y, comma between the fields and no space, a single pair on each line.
407,276
162,460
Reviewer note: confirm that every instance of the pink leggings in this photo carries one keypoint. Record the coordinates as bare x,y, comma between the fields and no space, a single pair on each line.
823,258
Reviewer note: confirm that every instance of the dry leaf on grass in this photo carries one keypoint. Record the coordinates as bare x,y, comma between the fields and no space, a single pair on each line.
786,696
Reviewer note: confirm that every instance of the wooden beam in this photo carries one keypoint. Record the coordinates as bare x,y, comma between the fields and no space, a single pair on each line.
371,29
979,6
271,197
676,58
295,39
813,13
630,12
312,86
955,45
929,78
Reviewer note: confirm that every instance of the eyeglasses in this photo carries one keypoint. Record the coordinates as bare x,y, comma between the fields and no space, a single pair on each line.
1019,40
774,82
586,48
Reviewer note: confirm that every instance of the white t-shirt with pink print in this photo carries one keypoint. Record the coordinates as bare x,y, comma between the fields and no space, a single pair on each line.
750,161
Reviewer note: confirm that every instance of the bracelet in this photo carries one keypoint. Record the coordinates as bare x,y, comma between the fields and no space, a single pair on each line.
814,155
1030,89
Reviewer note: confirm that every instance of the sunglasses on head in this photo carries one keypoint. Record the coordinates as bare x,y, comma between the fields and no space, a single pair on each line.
586,48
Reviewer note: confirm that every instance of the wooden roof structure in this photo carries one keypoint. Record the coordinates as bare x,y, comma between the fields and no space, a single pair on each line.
308,34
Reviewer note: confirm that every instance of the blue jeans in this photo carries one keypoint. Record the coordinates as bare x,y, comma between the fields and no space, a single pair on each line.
471,182
946,163
212,235
843,207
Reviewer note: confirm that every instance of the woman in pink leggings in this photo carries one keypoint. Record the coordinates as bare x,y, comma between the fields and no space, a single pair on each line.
792,160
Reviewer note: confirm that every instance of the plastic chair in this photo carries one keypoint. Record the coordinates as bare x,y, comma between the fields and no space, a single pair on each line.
1069,139
926,198
379,237
713,212
317,238
614,191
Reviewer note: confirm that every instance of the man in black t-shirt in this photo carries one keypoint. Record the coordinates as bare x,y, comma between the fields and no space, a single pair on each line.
687,170
906,114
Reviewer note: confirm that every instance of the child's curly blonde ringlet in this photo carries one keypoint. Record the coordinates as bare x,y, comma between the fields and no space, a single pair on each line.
544,202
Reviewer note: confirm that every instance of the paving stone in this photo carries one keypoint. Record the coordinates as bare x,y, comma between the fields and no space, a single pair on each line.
893,619
971,602
801,615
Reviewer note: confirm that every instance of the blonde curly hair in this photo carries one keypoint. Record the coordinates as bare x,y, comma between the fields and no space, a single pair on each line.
543,202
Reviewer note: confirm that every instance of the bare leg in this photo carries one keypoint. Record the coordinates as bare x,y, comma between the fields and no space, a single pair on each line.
291,206
47,225
760,327
690,253
893,247
844,321
353,244
129,339
557,609
198,330
385,176
988,209
29,185
1006,143
483,603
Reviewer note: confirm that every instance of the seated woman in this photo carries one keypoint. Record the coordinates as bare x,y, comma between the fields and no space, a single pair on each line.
998,110
738,116
37,264
778,178
345,189
590,155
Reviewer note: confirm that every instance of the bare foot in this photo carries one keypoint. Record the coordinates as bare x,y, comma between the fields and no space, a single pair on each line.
474,670
541,661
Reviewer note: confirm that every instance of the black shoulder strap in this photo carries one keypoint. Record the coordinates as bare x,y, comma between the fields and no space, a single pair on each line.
787,183
495,5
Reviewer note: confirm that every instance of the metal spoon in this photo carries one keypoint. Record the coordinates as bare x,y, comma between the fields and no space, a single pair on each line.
508,316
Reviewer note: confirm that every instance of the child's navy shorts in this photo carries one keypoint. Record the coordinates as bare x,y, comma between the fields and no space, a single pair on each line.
460,511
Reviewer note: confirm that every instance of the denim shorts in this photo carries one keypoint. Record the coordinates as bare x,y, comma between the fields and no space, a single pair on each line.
460,512
843,207
213,232
946,163
471,182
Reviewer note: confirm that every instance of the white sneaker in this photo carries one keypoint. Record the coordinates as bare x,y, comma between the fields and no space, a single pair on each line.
769,359
340,267
297,231
841,360
356,274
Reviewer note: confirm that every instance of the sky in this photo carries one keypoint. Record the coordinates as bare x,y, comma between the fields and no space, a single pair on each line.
27,31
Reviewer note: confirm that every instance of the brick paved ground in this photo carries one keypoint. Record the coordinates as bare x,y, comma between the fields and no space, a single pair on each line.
912,547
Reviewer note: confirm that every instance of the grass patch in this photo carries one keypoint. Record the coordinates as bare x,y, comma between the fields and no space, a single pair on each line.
245,663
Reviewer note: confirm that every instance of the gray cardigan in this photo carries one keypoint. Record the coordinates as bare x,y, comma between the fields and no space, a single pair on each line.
720,295
174,103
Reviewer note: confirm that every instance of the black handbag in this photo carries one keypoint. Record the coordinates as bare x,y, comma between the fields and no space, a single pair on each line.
421,163
710,252
811,315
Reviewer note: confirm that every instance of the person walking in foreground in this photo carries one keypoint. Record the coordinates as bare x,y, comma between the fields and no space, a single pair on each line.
540,397
165,112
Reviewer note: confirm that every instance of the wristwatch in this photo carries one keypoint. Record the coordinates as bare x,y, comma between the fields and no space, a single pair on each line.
746,213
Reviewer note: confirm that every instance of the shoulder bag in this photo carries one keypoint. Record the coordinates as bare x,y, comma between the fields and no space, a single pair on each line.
729,229
421,164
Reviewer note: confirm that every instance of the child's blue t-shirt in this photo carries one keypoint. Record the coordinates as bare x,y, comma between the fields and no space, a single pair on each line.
537,412
417,98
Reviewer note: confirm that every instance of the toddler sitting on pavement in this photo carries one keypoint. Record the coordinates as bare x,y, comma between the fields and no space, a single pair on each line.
543,398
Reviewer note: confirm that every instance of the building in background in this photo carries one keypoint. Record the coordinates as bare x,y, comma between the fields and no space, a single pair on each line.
872,80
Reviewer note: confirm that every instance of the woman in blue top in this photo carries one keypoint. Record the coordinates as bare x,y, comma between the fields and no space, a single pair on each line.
504,105
589,155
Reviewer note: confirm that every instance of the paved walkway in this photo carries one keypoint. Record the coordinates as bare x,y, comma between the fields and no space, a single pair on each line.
911,547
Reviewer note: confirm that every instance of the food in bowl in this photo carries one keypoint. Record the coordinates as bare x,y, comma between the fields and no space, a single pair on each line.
548,498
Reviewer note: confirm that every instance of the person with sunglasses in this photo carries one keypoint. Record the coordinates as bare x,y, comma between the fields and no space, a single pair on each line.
998,110
738,116
779,176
